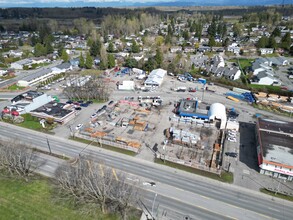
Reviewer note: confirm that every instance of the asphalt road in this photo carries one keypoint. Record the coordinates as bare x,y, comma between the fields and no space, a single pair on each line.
216,198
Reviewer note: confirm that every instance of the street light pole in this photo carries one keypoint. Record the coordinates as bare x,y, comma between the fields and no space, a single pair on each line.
154,204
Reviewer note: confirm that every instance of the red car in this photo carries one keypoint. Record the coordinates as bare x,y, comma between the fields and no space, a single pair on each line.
191,90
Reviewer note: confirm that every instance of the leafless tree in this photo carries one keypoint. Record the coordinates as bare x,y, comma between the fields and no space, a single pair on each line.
91,182
95,88
18,158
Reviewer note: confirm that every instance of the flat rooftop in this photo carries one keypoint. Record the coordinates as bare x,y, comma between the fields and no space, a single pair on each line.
276,138
53,109
191,107
28,96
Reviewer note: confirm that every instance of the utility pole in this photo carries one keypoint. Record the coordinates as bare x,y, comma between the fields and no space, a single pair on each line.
49,146
154,204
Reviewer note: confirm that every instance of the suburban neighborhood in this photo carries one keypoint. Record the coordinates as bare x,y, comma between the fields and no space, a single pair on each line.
172,99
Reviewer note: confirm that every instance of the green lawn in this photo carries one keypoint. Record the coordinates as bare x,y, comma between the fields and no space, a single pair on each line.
15,87
35,200
225,176
243,62
281,196
108,147
269,88
33,123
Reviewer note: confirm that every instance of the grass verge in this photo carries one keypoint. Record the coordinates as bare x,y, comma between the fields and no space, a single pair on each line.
278,195
35,200
15,87
225,176
108,147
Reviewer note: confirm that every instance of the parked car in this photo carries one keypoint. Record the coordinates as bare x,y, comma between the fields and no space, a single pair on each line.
149,183
232,139
79,126
93,115
84,104
191,90
80,101
104,107
89,102
69,102
111,102
231,154
77,108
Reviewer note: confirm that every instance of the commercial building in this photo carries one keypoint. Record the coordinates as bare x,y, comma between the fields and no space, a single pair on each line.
190,108
155,78
35,78
28,101
57,111
275,148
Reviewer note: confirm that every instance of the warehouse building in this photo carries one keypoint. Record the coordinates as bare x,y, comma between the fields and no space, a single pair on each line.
155,78
275,148
28,101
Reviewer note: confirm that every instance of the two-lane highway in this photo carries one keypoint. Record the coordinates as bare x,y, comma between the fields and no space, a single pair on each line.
234,202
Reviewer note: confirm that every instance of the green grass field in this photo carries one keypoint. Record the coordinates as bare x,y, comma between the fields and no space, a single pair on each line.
35,200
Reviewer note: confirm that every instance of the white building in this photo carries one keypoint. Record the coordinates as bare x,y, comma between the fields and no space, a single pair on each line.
265,51
218,111
126,85
35,78
30,100
155,78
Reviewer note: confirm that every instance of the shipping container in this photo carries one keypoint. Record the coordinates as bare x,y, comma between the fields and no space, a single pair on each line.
232,98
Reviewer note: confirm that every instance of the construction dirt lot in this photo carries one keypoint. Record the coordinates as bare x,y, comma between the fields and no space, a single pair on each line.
137,126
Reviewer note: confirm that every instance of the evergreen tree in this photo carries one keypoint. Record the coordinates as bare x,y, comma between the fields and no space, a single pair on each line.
95,48
212,41
286,41
111,47
130,62
89,61
20,42
159,57
111,61
276,32
272,42
134,47
39,50
262,42
81,61
212,29
64,56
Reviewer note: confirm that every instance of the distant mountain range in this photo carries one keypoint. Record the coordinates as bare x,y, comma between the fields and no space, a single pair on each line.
131,3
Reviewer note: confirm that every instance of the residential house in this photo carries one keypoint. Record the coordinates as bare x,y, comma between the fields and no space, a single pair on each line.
234,49
189,50
138,56
15,53
265,51
19,65
204,49
218,61
175,49
264,78
232,73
